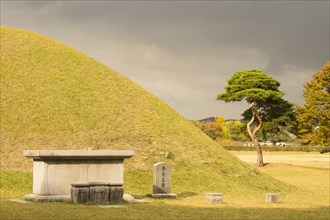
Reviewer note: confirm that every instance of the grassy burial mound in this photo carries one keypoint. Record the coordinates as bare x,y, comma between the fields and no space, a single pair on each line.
55,97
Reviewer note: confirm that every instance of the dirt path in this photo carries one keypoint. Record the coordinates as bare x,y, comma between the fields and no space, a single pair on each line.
317,160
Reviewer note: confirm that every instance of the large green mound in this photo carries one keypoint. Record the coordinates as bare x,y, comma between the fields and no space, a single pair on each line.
54,97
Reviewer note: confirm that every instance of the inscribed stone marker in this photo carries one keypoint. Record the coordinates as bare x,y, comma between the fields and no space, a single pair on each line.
162,178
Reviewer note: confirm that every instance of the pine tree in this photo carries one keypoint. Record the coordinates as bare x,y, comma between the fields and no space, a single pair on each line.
261,92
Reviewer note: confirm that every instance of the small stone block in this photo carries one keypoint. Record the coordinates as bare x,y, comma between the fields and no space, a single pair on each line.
116,193
80,194
215,198
271,198
128,197
99,194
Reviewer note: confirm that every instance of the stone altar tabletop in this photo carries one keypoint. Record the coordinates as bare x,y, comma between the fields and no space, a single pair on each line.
55,170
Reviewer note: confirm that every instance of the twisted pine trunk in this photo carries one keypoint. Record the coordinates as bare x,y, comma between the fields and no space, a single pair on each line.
260,162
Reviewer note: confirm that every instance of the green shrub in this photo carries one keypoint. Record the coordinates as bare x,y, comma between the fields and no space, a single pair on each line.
325,150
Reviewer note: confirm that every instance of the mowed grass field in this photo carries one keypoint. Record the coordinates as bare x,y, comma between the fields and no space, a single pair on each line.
310,198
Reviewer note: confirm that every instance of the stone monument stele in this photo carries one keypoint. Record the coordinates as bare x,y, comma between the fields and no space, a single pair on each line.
162,180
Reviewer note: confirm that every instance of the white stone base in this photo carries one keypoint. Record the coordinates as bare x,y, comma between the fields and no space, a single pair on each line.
128,197
48,198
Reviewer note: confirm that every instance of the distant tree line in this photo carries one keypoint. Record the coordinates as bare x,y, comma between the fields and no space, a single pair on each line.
220,129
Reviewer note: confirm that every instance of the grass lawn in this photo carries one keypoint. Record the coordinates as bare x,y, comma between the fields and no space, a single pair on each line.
309,200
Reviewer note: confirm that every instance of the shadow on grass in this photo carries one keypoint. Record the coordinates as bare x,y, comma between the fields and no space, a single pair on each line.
308,167
300,166
179,196
12,210
186,194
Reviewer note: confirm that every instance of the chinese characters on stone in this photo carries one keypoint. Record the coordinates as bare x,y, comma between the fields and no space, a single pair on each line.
163,177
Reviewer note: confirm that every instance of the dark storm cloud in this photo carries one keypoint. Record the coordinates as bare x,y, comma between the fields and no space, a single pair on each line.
185,51
288,31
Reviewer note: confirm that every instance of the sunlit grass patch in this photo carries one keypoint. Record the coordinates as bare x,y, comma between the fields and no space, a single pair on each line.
15,184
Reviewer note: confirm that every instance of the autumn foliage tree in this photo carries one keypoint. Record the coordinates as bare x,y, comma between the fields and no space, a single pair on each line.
220,129
211,129
260,91
232,131
314,116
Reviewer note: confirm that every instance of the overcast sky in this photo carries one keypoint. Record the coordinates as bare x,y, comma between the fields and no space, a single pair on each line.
184,52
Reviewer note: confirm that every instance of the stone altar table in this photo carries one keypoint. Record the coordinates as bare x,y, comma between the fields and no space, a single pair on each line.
55,170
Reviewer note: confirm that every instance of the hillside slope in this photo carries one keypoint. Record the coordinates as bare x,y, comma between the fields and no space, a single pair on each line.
54,97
